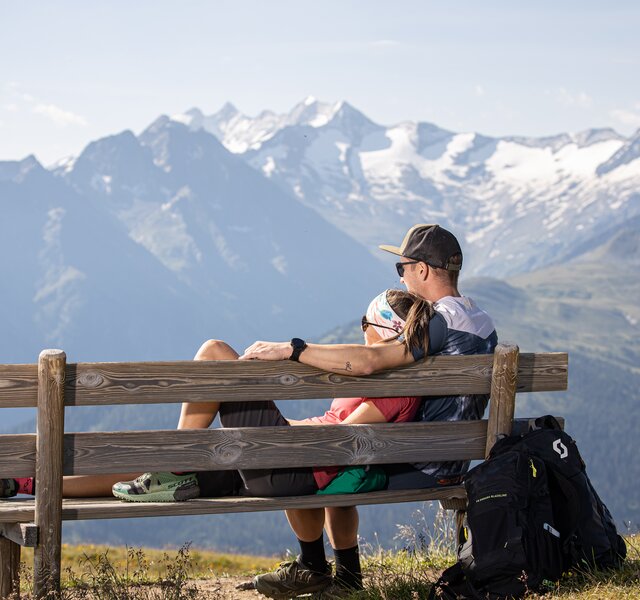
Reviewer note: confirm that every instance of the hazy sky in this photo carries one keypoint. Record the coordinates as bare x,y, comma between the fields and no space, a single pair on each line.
71,72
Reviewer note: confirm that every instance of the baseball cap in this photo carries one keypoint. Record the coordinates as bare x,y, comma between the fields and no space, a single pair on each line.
431,244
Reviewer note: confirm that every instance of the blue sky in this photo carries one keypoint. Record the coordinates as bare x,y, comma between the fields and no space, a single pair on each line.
71,72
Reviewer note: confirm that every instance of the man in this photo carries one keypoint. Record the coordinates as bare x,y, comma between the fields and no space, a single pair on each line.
429,266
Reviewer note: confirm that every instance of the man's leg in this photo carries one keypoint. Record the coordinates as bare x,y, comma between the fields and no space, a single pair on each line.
308,524
341,524
308,573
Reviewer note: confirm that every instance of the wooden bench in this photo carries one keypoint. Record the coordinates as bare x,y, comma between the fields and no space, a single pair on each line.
52,385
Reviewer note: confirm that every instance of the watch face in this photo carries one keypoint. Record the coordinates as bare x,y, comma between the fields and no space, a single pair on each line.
297,343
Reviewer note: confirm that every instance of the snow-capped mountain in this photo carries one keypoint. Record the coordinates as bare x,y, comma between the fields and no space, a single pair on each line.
142,247
267,235
518,203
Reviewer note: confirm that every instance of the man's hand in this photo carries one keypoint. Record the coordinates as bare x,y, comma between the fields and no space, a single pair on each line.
268,351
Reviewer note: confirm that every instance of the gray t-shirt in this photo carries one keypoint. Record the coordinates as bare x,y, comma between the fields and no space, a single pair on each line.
458,327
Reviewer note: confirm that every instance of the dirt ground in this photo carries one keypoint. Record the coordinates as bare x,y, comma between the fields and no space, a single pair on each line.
226,588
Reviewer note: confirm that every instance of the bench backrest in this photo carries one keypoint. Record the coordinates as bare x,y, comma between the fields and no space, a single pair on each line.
96,384
52,384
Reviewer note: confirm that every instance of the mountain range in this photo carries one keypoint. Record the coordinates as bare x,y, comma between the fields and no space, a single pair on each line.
266,227
520,203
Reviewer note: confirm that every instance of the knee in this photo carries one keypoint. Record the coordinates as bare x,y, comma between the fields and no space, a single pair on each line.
215,350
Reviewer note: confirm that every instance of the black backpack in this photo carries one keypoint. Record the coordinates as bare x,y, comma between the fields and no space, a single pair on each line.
532,514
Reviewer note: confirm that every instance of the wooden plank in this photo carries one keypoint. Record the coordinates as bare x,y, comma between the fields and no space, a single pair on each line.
167,381
17,455
18,386
503,393
23,534
226,381
9,569
543,372
17,452
268,447
111,508
49,445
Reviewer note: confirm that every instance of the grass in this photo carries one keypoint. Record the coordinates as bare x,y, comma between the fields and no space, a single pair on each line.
203,563
409,573
102,573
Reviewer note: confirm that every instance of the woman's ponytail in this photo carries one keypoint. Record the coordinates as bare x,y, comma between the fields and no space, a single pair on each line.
417,313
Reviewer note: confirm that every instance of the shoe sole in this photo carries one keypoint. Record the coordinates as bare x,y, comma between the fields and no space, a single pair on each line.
164,496
272,592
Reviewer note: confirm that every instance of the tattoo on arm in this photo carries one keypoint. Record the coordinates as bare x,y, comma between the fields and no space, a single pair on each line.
347,366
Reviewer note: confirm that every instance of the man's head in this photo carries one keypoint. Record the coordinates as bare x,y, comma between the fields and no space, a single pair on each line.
431,261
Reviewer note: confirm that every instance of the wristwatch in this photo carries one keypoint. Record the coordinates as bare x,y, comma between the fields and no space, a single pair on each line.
298,346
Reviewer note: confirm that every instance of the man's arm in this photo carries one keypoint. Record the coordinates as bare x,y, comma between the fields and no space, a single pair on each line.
349,359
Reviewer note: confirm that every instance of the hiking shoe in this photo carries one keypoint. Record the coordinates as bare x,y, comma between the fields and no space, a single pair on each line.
8,488
291,579
158,487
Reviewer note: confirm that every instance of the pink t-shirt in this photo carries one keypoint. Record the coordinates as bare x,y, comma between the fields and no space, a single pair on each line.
395,410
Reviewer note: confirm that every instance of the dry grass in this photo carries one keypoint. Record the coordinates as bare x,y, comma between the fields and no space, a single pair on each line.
204,563
409,573
102,573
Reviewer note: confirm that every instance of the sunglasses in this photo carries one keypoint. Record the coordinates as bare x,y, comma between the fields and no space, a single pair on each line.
401,265
364,324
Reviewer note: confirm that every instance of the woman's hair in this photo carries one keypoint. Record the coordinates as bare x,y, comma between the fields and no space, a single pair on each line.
416,313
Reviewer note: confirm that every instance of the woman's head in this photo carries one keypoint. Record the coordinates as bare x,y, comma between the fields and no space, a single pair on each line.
396,312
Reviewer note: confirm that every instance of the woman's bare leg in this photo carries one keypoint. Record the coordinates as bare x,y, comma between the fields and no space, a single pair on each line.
197,415
92,486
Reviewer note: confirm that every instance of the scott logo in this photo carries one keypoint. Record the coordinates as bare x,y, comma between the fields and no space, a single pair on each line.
560,448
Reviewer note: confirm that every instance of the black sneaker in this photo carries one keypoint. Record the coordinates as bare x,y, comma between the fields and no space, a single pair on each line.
291,579
8,488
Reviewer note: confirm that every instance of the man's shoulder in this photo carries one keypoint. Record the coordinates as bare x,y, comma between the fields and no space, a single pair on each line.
461,313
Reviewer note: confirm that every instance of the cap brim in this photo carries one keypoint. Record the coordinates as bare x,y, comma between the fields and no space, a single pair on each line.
392,249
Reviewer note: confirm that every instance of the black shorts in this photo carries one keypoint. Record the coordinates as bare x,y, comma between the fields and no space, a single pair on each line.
255,482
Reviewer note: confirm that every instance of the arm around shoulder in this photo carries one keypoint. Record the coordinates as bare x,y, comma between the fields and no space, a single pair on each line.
354,359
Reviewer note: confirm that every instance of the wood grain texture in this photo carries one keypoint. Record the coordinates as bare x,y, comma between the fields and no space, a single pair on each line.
9,569
18,386
49,445
503,393
17,452
17,455
111,508
225,381
271,447
23,534
145,383
454,504
543,372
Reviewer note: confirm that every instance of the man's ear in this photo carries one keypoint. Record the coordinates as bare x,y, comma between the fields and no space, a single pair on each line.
423,271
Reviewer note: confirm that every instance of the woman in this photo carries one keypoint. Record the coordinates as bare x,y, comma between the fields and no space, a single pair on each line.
396,326
383,323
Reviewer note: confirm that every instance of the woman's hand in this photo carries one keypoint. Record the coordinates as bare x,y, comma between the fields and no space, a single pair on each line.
268,351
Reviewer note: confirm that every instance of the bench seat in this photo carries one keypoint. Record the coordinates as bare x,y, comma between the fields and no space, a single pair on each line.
21,510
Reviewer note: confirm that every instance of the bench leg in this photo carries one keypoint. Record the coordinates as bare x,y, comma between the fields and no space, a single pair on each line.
9,569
